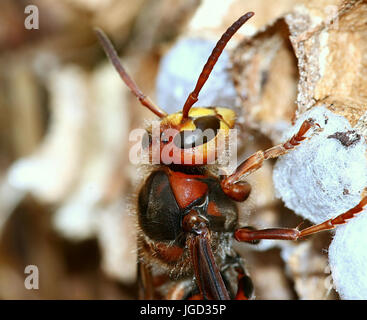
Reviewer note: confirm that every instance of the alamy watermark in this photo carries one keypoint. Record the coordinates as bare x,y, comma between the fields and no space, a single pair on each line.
32,19
31,281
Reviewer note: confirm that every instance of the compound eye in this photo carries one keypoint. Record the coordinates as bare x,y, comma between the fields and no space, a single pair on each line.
158,212
207,128
207,122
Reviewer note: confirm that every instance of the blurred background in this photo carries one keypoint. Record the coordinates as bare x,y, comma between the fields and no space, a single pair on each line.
66,183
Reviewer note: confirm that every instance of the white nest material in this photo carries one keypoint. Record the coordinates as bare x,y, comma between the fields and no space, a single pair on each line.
322,178
348,259
179,70
325,175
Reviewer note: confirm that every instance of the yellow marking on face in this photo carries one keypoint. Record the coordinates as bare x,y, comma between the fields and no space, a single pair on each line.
201,112
228,116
